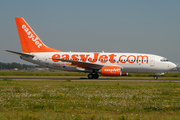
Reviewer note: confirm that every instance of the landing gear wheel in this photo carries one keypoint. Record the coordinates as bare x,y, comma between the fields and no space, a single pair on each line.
96,76
155,77
90,76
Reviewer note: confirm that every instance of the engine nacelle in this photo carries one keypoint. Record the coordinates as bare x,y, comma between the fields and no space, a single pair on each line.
112,71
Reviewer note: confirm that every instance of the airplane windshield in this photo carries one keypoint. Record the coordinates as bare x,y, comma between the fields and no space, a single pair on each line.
164,60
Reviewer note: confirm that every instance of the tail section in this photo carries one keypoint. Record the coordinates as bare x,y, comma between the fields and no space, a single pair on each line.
29,40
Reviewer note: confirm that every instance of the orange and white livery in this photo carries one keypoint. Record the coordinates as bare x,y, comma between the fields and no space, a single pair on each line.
106,64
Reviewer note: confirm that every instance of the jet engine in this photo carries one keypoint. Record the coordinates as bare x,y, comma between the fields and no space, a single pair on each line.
112,71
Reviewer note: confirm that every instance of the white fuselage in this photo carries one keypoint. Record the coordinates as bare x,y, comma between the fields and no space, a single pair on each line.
129,62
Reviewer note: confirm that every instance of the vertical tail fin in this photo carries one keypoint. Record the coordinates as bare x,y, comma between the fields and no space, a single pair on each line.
29,40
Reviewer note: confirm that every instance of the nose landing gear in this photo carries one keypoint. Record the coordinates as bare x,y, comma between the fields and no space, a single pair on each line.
155,77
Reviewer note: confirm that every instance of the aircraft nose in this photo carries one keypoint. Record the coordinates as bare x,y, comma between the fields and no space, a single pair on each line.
172,65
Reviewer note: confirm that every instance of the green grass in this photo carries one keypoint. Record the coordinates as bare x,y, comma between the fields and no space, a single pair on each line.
88,100
40,73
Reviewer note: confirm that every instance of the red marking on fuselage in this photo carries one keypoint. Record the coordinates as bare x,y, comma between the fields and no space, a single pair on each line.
103,58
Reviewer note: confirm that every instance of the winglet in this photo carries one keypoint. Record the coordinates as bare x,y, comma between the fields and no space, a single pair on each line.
30,42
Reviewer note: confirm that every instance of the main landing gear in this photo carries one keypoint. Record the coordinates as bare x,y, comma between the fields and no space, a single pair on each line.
91,76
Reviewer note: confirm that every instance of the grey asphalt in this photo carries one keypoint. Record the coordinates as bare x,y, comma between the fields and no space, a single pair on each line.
85,79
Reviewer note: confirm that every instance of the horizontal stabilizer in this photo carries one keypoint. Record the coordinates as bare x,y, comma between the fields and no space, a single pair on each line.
18,53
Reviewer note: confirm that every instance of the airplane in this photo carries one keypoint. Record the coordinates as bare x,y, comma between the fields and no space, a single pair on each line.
94,63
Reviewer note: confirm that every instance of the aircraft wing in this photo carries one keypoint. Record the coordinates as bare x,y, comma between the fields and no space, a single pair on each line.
18,53
82,64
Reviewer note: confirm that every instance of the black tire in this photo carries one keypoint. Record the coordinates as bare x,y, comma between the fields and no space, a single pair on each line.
96,76
155,77
90,76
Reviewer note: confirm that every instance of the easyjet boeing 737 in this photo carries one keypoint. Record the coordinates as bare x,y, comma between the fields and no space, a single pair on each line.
106,64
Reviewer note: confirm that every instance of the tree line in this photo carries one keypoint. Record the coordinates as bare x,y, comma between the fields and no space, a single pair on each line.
16,65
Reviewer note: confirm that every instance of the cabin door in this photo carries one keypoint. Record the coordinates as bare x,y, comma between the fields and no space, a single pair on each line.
152,61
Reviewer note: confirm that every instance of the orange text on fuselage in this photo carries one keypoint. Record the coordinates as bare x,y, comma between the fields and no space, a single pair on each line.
103,58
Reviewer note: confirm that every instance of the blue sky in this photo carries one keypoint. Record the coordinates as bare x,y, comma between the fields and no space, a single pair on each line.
95,25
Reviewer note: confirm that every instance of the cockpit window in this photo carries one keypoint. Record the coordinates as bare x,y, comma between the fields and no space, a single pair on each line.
164,60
